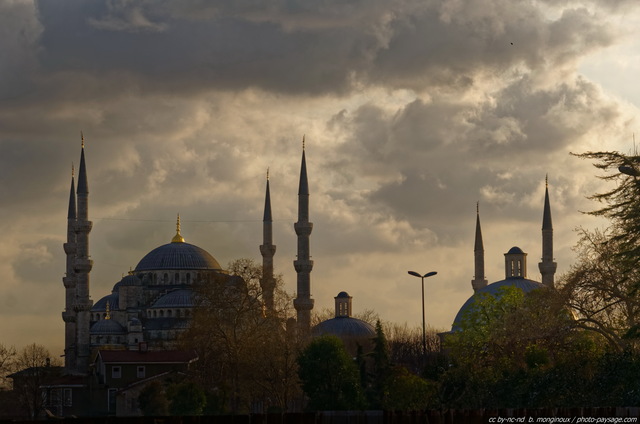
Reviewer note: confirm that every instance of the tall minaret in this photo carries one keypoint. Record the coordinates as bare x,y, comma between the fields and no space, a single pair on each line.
69,281
267,249
303,265
479,281
547,266
82,268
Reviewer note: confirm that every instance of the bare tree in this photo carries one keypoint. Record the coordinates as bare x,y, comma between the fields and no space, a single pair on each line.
246,354
602,290
33,366
7,357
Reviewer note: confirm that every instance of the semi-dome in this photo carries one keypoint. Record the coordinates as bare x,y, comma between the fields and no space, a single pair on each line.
129,280
101,305
493,289
345,327
107,326
178,255
175,299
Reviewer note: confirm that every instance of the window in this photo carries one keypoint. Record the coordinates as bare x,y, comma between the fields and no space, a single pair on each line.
141,372
188,278
67,399
116,372
177,279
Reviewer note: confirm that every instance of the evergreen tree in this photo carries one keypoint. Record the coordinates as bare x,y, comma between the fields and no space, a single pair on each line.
329,376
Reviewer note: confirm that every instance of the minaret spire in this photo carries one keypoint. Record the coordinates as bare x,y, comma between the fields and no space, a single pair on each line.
69,281
547,266
303,264
268,250
82,268
479,281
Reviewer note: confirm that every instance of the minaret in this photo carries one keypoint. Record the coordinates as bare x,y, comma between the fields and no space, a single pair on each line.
479,281
82,268
303,265
267,249
547,266
69,281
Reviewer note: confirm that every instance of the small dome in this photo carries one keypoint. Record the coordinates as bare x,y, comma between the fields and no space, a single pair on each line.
514,250
101,305
174,256
107,326
130,280
493,289
345,327
175,299
343,294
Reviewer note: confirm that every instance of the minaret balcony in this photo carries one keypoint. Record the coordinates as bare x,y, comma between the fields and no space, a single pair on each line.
68,316
303,265
303,228
83,226
302,304
267,249
547,267
69,282
82,265
69,248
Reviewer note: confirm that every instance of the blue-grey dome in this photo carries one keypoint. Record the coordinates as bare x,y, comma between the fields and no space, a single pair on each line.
493,289
343,294
130,280
175,256
107,326
515,249
101,305
175,299
345,327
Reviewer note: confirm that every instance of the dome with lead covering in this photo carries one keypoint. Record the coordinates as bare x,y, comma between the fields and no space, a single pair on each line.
107,326
175,299
345,327
493,289
178,255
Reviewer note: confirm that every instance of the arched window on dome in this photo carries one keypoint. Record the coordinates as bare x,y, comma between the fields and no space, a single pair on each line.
165,279
155,314
169,312
104,316
176,279
161,313
186,313
188,278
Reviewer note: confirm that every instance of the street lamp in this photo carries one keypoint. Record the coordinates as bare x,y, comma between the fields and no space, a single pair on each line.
424,331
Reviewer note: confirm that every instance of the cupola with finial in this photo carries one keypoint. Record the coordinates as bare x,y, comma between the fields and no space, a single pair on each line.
178,237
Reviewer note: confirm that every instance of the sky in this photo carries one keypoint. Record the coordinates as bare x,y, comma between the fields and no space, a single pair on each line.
412,111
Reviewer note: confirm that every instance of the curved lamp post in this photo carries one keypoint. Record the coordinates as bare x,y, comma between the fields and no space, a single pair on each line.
424,332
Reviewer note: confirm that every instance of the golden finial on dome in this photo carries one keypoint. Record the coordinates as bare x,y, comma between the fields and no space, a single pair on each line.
108,314
177,238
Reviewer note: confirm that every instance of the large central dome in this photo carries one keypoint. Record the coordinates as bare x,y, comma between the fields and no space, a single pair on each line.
177,255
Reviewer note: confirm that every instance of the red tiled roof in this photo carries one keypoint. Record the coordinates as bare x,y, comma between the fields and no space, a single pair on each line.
153,356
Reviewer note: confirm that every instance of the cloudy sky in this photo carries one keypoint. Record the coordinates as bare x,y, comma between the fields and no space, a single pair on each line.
413,111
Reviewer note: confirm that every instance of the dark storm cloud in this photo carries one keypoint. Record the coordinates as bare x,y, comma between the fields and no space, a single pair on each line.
302,47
